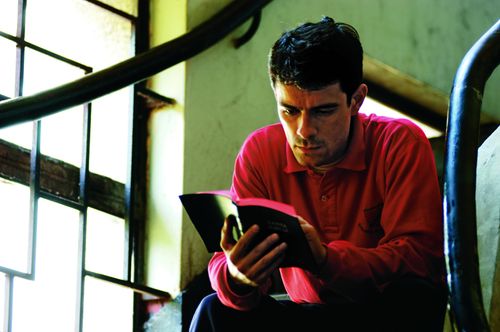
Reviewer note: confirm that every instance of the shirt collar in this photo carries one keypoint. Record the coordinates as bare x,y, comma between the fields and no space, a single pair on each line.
354,158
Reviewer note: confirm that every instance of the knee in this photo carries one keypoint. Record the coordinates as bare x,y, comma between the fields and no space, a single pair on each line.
208,303
204,314
209,300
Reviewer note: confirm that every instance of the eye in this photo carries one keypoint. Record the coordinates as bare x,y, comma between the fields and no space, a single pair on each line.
289,111
324,111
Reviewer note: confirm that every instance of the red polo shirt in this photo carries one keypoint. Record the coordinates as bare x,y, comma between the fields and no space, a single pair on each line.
378,210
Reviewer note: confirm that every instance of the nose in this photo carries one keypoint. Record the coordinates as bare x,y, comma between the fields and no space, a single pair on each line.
306,127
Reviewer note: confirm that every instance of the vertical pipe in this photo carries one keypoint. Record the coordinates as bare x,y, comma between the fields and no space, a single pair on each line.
138,163
462,136
34,195
9,284
21,30
82,242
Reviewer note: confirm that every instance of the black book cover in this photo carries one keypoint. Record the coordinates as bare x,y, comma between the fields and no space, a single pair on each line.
208,210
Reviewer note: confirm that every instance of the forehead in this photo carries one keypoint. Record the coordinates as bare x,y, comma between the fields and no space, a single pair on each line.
295,96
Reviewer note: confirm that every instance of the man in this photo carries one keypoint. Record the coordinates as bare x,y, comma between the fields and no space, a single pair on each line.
368,197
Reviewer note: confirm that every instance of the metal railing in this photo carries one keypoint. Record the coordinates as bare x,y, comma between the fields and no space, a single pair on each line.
462,136
130,71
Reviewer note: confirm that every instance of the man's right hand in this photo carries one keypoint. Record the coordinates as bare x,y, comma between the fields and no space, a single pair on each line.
250,265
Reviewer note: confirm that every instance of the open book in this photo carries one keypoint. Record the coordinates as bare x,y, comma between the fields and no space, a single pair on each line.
207,211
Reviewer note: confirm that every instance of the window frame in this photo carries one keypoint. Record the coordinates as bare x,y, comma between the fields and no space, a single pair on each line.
77,187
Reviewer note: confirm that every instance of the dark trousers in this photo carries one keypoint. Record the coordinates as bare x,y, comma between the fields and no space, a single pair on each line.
407,305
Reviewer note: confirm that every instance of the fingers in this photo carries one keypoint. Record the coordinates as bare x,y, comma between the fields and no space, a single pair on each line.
251,263
262,259
239,277
260,251
256,274
268,264
301,220
317,248
244,244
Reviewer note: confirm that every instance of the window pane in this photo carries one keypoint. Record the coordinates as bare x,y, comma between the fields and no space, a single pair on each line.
14,225
21,134
43,72
107,307
91,35
7,65
105,244
61,135
49,302
128,6
8,16
109,137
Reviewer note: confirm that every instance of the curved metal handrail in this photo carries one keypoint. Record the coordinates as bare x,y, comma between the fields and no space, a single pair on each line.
132,70
460,180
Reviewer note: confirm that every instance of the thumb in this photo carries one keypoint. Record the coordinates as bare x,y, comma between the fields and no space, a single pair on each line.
229,233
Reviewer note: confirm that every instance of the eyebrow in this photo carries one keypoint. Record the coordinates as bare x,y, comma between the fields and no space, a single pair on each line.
288,106
319,107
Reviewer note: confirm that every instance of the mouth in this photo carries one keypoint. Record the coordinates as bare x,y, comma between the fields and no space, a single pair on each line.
308,149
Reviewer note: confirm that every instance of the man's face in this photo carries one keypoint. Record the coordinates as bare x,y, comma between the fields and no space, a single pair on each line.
317,122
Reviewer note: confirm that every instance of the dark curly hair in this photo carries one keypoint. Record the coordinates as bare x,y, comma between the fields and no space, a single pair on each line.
314,55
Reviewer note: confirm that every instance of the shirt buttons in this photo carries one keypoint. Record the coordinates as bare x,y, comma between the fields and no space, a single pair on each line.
324,198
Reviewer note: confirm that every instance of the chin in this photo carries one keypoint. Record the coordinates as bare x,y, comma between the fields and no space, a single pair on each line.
308,160
307,163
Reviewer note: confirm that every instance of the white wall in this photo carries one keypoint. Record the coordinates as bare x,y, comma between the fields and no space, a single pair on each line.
166,164
488,225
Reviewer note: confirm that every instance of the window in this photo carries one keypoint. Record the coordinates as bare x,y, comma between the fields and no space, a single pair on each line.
70,224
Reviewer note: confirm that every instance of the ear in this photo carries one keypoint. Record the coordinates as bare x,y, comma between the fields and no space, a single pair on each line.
358,97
